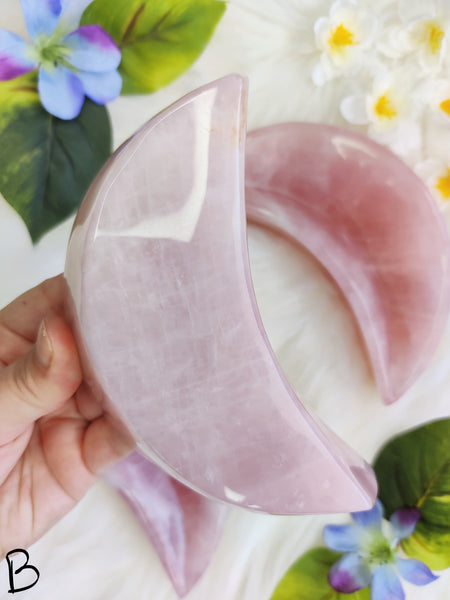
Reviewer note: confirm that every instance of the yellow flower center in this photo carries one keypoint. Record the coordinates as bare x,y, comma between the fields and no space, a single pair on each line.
384,107
445,106
340,38
433,36
443,184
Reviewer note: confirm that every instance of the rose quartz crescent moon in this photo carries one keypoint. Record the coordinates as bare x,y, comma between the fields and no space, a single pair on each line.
373,225
184,527
168,325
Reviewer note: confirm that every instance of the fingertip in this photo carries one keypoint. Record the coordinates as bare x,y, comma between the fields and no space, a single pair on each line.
106,442
64,365
40,381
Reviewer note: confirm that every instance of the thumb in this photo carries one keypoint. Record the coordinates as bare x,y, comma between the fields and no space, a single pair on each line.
39,381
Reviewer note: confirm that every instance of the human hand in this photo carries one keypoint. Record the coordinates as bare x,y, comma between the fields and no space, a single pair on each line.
55,438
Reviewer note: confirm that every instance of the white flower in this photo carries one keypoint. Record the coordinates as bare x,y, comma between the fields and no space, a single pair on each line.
423,34
391,109
438,95
436,174
436,125
343,37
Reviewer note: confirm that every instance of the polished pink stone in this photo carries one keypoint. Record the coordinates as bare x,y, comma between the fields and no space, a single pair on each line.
372,224
169,327
183,526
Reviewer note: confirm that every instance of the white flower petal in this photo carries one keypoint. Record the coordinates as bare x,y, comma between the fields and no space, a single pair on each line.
404,139
389,42
412,10
431,62
318,75
322,29
343,9
367,30
354,109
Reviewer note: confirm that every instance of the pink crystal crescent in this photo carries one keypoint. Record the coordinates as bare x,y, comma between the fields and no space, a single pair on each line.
372,224
170,331
184,527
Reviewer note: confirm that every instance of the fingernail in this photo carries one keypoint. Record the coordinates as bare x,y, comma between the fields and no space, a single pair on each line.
44,348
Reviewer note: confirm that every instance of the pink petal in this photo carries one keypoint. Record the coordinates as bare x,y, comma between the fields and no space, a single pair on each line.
372,224
183,526
159,271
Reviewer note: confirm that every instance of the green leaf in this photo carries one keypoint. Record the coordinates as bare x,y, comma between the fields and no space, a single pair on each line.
307,579
159,39
414,470
432,545
46,164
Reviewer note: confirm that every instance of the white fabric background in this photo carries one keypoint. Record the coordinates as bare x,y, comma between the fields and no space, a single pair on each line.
98,551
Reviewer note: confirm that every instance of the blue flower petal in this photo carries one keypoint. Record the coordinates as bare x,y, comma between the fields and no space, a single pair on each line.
349,574
93,49
41,16
13,56
386,585
71,14
414,571
404,521
101,87
370,518
343,538
61,92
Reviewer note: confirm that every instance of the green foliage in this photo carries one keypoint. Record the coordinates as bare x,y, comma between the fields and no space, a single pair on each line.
47,164
307,579
159,39
413,469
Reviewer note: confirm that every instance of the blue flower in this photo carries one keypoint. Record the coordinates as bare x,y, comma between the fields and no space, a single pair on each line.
73,62
370,558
